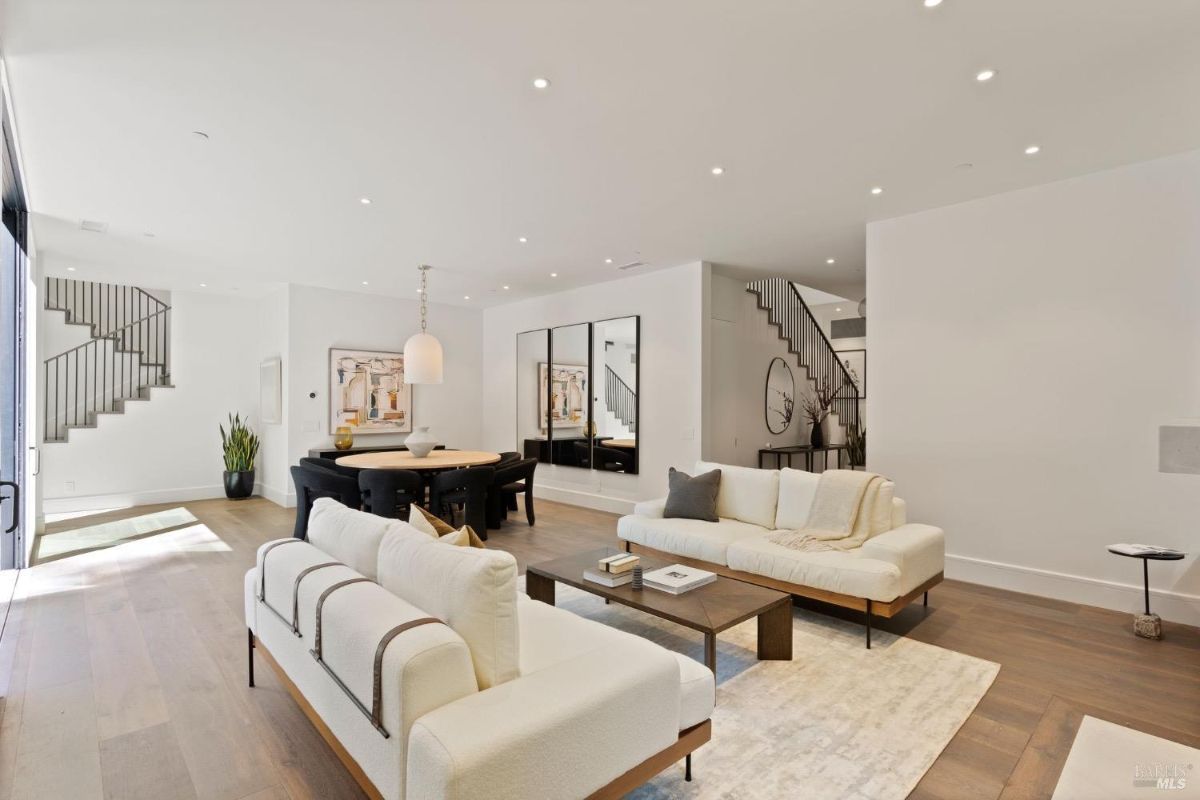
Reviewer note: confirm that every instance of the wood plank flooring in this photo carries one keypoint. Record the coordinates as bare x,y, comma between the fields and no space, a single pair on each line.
122,669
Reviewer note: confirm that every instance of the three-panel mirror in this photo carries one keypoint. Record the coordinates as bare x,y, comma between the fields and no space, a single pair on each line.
577,395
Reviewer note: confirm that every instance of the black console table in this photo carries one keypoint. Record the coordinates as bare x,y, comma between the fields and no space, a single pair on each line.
807,450
333,452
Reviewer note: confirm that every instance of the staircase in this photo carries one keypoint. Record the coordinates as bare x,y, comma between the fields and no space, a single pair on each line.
128,355
620,399
788,312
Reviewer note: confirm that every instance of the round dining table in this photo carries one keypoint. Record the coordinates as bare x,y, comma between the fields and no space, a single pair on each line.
402,459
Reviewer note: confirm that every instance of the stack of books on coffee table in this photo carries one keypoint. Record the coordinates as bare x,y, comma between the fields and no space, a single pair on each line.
613,571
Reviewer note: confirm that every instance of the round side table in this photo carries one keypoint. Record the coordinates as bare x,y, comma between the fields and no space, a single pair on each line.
1148,625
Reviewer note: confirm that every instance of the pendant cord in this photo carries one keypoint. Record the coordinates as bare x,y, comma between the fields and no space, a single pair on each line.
424,291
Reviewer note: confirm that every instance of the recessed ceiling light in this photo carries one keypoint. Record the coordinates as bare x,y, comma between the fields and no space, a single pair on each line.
877,190
541,83
831,261
366,201
70,269
203,285
1032,150
718,170
522,239
932,3
985,75
364,283
506,288
553,274
466,297
608,261
838,310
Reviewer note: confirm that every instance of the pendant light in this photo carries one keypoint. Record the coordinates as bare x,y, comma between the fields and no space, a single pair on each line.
422,351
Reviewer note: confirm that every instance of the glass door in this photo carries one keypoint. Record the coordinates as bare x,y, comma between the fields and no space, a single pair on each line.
13,277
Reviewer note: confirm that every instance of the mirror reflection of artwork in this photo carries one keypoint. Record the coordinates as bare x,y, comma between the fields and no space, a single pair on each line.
367,392
567,395
780,399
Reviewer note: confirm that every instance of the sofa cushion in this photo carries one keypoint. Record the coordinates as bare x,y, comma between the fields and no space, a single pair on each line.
692,497
797,489
899,512
687,537
350,536
473,591
841,571
552,635
746,494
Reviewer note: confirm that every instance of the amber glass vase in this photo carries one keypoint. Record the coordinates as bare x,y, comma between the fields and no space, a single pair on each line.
343,437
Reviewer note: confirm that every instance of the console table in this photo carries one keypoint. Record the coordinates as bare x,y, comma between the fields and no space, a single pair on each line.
807,450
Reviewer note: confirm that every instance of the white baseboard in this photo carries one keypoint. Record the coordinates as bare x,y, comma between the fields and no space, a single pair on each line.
276,496
575,497
1173,606
99,502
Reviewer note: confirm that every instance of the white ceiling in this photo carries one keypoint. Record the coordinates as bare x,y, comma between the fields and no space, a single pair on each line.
428,109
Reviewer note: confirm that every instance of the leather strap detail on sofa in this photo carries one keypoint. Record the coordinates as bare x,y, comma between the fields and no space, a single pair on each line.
377,683
262,587
316,651
296,591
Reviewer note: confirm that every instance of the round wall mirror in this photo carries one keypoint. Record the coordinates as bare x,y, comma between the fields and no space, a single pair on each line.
780,399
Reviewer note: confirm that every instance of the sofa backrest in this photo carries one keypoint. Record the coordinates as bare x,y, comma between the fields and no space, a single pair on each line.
473,591
797,489
350,536
746,494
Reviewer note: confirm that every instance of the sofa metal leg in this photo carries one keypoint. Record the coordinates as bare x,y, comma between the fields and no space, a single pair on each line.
868,624
687,767
925,602
627,546
250,654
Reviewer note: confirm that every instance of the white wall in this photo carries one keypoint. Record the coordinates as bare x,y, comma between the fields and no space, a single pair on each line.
1024,350
168,448
318,319
669,431
273,478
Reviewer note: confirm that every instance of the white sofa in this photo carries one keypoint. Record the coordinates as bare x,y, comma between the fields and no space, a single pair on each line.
889,571
496,696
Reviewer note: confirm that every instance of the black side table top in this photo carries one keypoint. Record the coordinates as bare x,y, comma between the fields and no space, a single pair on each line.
1164,555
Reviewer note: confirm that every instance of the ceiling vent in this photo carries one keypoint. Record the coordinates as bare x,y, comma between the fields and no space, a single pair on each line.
94,226
632,265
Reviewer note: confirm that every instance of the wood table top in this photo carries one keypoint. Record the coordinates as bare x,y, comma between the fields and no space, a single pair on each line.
711,608
403,459
626,443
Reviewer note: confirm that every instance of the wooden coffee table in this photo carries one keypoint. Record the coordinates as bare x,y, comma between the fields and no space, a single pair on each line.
709,609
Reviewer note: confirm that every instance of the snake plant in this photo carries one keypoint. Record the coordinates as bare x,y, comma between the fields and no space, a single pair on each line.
240,445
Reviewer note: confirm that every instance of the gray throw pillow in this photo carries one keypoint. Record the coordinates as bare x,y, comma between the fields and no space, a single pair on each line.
692,498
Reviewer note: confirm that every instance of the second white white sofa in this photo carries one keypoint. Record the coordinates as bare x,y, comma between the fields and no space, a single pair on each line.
889,571
432,677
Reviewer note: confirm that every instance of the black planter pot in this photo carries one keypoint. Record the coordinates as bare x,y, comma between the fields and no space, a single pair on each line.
239,485
817,437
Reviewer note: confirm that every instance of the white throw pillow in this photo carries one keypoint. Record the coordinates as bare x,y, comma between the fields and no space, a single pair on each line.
797,489
746,494
458,538
418,521
472,590
350,536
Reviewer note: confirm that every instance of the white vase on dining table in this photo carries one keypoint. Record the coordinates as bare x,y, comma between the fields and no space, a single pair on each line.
421,443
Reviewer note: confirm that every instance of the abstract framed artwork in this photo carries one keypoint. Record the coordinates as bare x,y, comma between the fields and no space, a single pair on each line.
367,392
567,393
270,391
855,362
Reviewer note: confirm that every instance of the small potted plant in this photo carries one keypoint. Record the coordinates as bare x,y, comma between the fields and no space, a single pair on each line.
240,447
856,445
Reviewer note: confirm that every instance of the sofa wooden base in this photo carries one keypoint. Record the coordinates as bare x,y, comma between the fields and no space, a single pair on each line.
688,741
868,607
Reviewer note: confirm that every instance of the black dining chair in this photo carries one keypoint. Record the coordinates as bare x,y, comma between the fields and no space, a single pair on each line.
467,487
390,492
331,465
509,481
583,454
314,482
507,458
611,459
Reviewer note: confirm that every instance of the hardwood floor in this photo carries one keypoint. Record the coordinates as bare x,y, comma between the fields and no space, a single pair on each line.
122,670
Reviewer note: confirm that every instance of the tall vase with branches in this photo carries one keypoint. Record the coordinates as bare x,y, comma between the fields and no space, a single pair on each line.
815,408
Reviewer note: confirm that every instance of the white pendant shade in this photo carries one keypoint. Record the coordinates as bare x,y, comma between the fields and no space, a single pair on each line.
422,359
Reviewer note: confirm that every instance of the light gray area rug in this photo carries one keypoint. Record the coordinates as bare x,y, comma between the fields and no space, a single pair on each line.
1116,763
838,721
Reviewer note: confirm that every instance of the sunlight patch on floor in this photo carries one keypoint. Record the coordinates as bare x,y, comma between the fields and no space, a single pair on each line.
60,544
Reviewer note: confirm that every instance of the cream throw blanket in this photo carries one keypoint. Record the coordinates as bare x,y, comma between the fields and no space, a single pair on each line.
849,508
